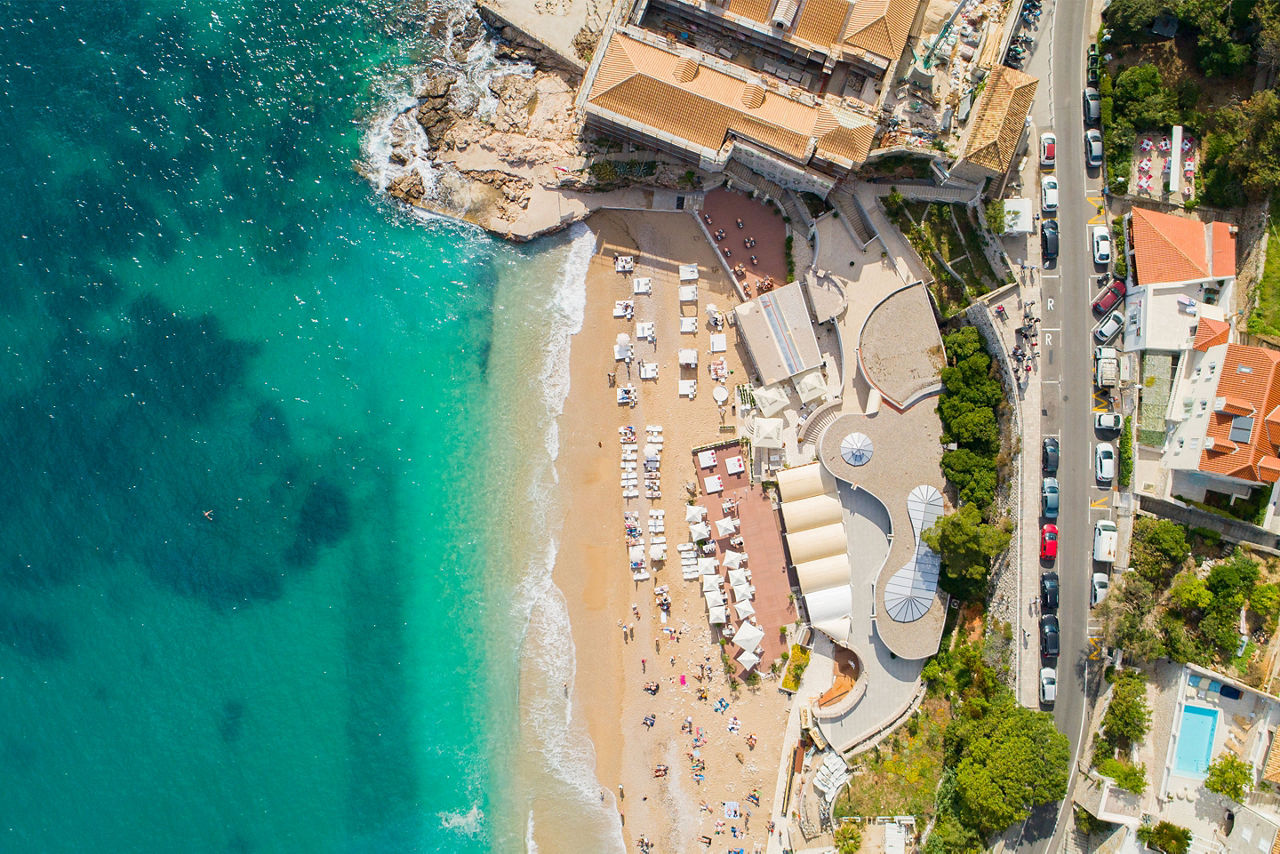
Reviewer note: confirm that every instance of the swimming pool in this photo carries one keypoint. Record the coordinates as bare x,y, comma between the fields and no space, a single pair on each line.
1195,740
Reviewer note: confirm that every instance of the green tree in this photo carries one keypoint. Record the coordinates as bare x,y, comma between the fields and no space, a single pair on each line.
1139,94
1229,776
997,216
963,343
970,379
1237,574
1008,760
1133,18
976,429
1166,837
1245,143
1265,602
967,543
848,838
1189,592
1127,776
1159,548
1219,50
974,476
1128,717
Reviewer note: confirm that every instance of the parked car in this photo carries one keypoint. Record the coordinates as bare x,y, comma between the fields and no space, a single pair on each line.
1092,148
1110,295
1101,245
1110,325
1049,239
1101,584
1049,456
1049,591
1049,193
1092,106
1108,422
1048,150
1048,542
1048,686
1049,498
1104,462
1049,636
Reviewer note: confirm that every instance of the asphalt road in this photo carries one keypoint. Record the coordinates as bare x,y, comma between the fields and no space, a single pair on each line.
1069,285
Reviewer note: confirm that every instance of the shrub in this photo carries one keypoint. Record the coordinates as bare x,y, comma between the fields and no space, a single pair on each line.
1166,837
1130,777
1124,454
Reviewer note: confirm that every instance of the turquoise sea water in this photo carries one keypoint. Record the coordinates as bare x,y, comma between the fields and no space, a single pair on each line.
247,587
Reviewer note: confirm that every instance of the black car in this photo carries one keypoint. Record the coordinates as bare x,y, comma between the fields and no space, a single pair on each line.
1049,239
1049,456
1095,65
1049,638
1049,591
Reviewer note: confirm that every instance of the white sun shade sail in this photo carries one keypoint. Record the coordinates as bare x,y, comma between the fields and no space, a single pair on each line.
767,433
817,543
815,575
770,399
856,448
748,637
811,512
910,592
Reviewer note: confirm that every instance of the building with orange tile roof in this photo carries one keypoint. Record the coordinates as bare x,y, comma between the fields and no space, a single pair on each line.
690,104
1183,271
810,38
1224,416
995,133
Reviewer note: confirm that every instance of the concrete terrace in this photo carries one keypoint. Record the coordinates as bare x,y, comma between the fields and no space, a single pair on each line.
907,454
899,351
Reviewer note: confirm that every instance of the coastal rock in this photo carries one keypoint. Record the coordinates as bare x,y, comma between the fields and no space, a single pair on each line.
436,87
408,187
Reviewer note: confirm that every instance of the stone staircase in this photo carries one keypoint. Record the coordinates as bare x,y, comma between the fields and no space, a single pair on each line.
851,212
818,421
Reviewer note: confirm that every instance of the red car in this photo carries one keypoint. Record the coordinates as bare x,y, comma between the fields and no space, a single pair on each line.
1049,542
1110,295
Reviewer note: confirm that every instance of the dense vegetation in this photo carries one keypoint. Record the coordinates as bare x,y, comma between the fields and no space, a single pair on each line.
1002,759
1164,608
969,408
1167,837
1229,776
1125,723
1241,153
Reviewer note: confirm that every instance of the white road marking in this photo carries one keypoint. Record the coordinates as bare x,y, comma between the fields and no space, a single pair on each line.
1048,339
1048,303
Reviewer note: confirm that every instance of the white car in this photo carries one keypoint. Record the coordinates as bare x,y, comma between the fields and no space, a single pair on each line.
1048,685
1101,245
1049,193
1101,584
1104,462
1107,329
1048,150
1109,422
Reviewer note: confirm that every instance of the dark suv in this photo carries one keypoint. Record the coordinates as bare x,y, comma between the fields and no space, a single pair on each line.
1049,239
1049,591
1049,456
1049,636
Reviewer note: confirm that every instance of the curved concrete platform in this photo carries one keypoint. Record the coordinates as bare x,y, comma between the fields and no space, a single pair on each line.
900,349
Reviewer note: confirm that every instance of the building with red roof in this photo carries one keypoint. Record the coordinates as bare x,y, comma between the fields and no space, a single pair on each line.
1182,271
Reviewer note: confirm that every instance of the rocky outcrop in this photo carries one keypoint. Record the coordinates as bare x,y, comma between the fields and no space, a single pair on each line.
433,112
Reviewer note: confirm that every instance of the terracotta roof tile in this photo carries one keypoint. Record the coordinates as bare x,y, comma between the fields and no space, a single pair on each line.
756,10
1236,406
672,94
1224,250
1211,333
1269,469
1000,118
821,21
1271,771
1250,378
880,27
1169,248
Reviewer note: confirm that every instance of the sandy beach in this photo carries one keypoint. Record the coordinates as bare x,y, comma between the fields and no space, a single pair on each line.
675,812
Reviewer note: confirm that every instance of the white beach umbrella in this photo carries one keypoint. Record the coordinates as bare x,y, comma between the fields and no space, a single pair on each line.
694,513
710,583
700,531
718,616
742,593
623,338
733,559
708,566
748,637
711,308
726,526
715,599
748,660
744,610
768,433
856,448
738,577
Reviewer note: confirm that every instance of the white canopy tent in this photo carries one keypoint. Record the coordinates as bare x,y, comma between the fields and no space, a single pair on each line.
710,583
715,599
767,433
811,512
726,526
688,357
700,531
815,575
770,399
733,559
817,543
748,637
738,577
718,616
708,566
810,385
694,513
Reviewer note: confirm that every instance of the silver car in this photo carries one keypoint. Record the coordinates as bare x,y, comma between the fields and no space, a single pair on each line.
1048,686
1104,462
1110,325
1092,148
1101,584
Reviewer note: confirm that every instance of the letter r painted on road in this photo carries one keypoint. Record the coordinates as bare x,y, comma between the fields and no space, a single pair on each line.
1048,303
1048,339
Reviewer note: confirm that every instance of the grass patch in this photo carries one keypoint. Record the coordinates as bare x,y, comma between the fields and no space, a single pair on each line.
1264,316
900,776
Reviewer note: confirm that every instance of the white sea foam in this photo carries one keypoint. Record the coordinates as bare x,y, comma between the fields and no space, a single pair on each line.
469,823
